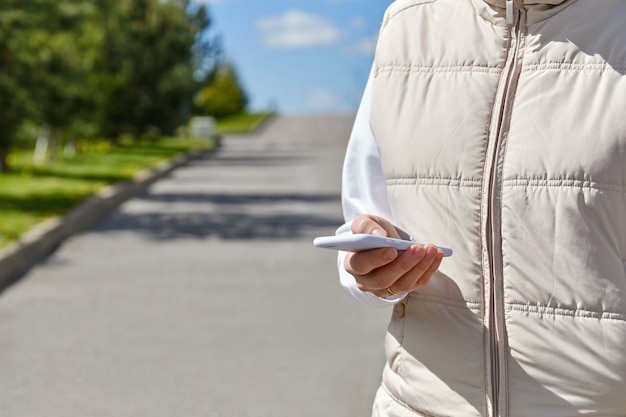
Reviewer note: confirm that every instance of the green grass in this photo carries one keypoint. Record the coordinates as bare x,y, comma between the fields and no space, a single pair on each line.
30,194
241,123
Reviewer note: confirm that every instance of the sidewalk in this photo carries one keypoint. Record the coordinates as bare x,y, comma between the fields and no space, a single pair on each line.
201,297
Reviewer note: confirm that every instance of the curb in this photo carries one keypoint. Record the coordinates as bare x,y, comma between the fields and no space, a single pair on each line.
43,239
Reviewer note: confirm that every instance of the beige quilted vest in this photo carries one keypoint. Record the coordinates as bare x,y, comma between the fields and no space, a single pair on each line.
507,143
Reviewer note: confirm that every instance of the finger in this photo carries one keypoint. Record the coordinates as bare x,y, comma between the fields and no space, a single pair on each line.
420,275
431,271
386,276
373,225
364,263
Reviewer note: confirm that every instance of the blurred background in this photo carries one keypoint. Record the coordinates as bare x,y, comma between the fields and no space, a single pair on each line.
300,56
103,68
189,287
79,76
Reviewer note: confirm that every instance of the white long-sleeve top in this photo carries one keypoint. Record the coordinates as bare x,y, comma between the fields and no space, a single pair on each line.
364,191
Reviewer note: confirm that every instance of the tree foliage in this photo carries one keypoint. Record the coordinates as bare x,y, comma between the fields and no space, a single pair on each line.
64,45
224,95
147,58
100,67
15,103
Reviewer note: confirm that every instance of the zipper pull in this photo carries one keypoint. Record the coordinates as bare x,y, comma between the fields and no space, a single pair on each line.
510,15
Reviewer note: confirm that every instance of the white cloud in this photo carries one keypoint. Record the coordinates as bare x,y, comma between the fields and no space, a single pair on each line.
358,23
323,99
294,29
366,46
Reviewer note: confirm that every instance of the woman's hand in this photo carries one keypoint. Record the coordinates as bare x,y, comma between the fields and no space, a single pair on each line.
384,272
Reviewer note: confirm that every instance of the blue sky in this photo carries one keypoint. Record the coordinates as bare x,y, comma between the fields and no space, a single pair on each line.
306,56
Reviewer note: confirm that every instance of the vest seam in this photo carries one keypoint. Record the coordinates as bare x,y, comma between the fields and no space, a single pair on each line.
487,69
563,183
415,3
438,68
435,181
509,183
574,313
571,66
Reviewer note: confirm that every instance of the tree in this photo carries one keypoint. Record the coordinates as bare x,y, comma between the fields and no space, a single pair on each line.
15,105
148,64
65,98
42,66
105,66
224,95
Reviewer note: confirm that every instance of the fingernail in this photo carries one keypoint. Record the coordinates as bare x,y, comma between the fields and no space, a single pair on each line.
431,251
419,251
379,232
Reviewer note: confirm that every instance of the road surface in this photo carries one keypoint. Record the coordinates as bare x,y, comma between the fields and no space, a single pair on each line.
202,297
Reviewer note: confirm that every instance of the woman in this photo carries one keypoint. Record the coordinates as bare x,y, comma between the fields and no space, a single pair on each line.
497,128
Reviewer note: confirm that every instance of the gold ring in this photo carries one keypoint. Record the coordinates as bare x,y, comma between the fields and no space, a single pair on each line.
391,293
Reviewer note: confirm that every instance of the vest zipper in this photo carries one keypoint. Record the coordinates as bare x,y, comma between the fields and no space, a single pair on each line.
495,297
510,13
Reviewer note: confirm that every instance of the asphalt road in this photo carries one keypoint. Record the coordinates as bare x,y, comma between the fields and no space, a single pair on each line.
202,297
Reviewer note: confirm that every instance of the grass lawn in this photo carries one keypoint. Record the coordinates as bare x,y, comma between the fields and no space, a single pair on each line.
30,194
241,123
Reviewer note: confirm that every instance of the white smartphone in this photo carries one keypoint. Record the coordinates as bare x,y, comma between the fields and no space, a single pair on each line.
363,242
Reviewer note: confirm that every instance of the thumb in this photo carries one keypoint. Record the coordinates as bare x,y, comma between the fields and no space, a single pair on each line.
374,225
